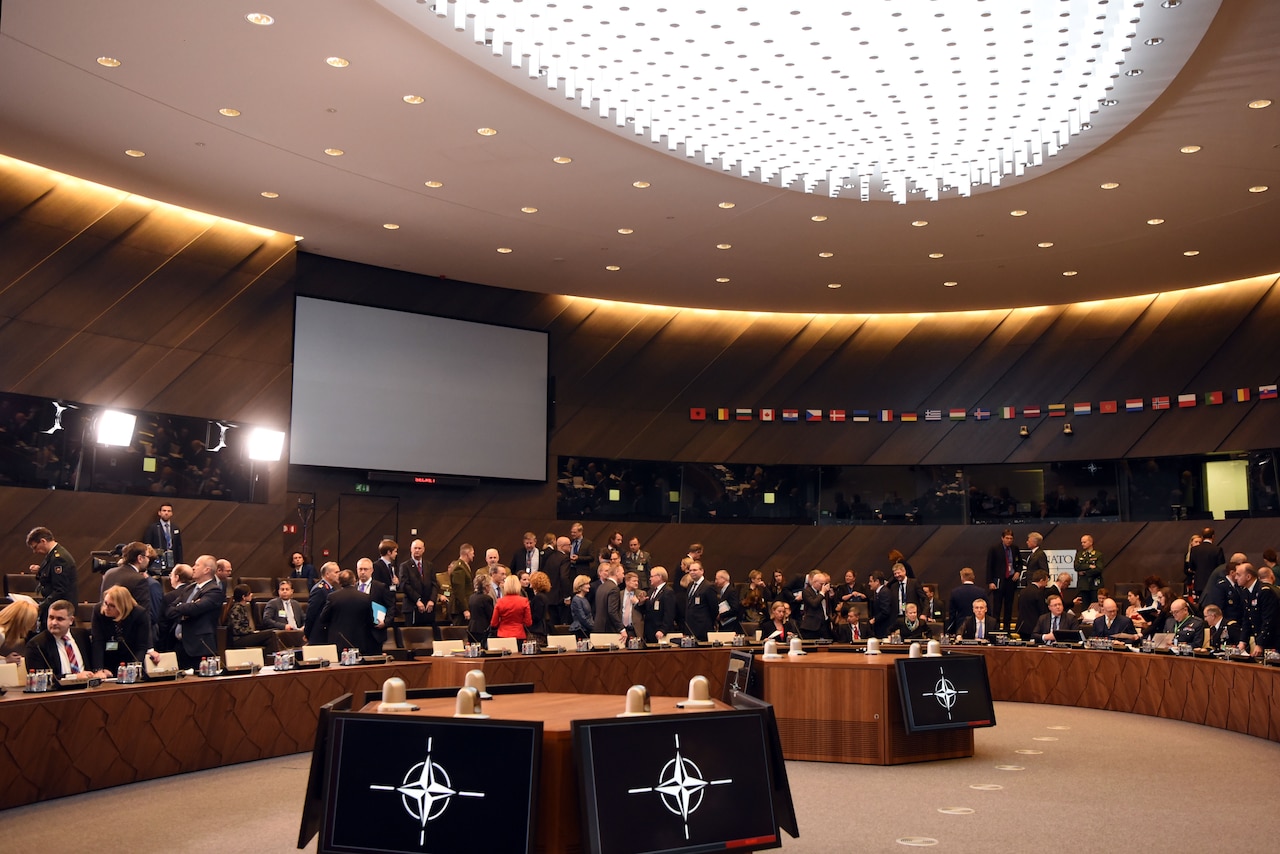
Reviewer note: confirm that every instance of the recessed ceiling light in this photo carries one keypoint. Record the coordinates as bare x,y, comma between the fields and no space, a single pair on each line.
1260,188
920,223
626,231
504,250
334,152
826,254
613,268
435,185
935,255
1191,253
834,285
1086,126
337,62
727,205
818,218
262,19
1189,149
1260,104
133,152
722,279
949,284
413,99
1171,4
486,131
641,185
1108,102
562,160
1155,221
1069,273
108,62
229,112
1110,185
1045,244
724,245
1133,72
268,194
528,209
1017,213
1155,40
390,226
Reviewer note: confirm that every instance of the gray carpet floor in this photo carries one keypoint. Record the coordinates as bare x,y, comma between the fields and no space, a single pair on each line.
1047,778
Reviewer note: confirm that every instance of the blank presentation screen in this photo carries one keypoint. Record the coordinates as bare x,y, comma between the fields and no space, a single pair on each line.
386,390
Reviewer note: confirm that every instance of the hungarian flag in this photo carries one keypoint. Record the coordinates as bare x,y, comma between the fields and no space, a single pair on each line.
886,414
1031,412
1008,412
742,415
1186,401
1242,395
957,414
698,413
766,414
908,416
1057,410
835,415
1133,404
1160,403
1107,407
813,415
1267,392
791,415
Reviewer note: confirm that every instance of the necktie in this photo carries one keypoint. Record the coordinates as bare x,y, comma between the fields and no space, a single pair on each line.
902,598
168,538
177,628
288,613
856,635
364,587
72,661
982,625
1055,625
418,564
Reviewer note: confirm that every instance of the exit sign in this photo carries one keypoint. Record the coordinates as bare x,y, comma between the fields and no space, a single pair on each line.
362,487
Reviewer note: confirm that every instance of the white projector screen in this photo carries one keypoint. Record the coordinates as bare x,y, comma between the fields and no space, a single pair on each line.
386,390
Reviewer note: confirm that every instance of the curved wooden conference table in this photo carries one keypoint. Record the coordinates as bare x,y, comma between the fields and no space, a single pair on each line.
65,743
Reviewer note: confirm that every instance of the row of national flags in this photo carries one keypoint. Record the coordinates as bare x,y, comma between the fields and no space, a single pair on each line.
1052,410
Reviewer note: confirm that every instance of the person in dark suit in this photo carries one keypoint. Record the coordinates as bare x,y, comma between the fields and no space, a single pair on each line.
1004,569
60,647
700,604
163,536
1112,624
131,574
729,606
195,614
367,583
910,626
347,618
1037,560
121,631
56,572
580,555
980,625
315,602
659,608
1218,632
560,573
1221,588
1062,587
179,577
1203,559
962,599
882,609
904,590
933,611
1056,618
1031,604
608,603
282,612
815,620
847,628
1261,609
418,583
527,558
384,568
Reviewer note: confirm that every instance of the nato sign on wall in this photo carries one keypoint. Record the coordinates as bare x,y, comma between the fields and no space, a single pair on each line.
383,390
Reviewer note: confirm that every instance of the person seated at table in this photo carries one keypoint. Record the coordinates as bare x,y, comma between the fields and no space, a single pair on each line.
282,612
911,626
480,608
241,629
1094,611
1112,625
779,627
580,609
979,626
1162,621
933,610
1186,627
17,621
512,615
848,628
1220,633
1058,618
61,647
121,631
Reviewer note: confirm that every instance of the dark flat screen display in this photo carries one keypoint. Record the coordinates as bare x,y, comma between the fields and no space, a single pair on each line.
676,783
951,692
424,785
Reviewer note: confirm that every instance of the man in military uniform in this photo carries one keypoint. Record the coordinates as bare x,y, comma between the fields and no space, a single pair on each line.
1089,565
56,575
460,584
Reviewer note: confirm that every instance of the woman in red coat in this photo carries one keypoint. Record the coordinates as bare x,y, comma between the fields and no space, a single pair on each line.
511,614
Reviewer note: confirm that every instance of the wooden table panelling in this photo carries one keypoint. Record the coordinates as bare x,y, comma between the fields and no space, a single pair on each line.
69,742
842,707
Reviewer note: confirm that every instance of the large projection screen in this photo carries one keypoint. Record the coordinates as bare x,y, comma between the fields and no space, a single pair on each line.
384,390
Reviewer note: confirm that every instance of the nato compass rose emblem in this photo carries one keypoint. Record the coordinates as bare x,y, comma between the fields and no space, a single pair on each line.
426,792
681,786
945,692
